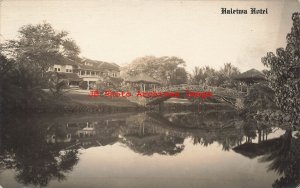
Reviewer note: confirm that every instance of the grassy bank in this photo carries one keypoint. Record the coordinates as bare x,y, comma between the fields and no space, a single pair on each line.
72,102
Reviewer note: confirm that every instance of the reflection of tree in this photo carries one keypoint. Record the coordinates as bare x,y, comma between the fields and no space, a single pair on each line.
205,129
152,127
285,160
250,131
24,149
143,137
228,139
161,144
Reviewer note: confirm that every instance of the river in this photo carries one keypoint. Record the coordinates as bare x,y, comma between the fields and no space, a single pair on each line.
134,150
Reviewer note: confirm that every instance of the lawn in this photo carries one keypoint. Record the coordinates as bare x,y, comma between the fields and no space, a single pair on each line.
82,97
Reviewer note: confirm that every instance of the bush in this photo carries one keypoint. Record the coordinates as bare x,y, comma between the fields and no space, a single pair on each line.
83,85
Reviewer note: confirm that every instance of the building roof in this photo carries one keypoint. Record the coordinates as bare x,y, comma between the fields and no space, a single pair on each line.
250,76
142,78
66,61
97,65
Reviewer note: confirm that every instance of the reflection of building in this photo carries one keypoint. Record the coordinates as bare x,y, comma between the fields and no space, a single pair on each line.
85,70
58,134
83,134
55,139
87,131
65,133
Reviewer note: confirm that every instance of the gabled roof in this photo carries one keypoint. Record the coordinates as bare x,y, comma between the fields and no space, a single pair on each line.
66,61
142,78
250,75
97,65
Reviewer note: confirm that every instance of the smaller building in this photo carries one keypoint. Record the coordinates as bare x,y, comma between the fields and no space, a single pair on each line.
142,82
248,78
66,71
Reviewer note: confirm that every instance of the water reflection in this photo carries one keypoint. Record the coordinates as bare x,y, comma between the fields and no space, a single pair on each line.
25,149
285,159
40,150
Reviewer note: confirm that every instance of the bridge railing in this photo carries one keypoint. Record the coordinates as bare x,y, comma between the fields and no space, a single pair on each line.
200,88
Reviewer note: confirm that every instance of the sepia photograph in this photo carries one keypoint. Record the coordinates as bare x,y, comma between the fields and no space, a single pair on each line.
149,93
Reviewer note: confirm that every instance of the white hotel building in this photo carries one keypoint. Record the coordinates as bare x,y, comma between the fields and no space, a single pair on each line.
85,70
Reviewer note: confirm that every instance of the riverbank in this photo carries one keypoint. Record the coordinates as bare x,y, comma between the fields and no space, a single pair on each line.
77,102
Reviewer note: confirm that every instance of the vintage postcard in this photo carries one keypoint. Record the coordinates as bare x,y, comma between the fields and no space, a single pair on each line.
149,93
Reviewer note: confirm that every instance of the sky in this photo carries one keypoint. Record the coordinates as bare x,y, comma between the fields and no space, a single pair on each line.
120,31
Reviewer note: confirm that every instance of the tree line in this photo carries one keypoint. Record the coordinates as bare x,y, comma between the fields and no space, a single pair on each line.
171,71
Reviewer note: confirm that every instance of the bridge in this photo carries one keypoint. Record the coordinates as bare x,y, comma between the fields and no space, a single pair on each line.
226,95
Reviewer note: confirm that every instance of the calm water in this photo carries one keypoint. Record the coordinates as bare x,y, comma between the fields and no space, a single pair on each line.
211,149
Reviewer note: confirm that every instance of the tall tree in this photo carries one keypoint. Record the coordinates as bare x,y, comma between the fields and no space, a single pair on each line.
226,75
204,75
161,68
40,46
284,72
36,49
179,76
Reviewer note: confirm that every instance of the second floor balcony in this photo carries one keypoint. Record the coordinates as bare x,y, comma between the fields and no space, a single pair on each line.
95,74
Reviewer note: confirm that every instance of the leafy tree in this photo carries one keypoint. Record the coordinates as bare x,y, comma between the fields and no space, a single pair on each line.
56,84
179,76
204,75
161,68
209,76
41,46
83,85
283,73
20,87
36,49
226,75
5,67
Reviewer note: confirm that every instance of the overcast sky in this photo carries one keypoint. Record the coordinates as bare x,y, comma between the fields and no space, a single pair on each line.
120,31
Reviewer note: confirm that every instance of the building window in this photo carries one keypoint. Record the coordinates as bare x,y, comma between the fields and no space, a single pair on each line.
58,69
55,69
